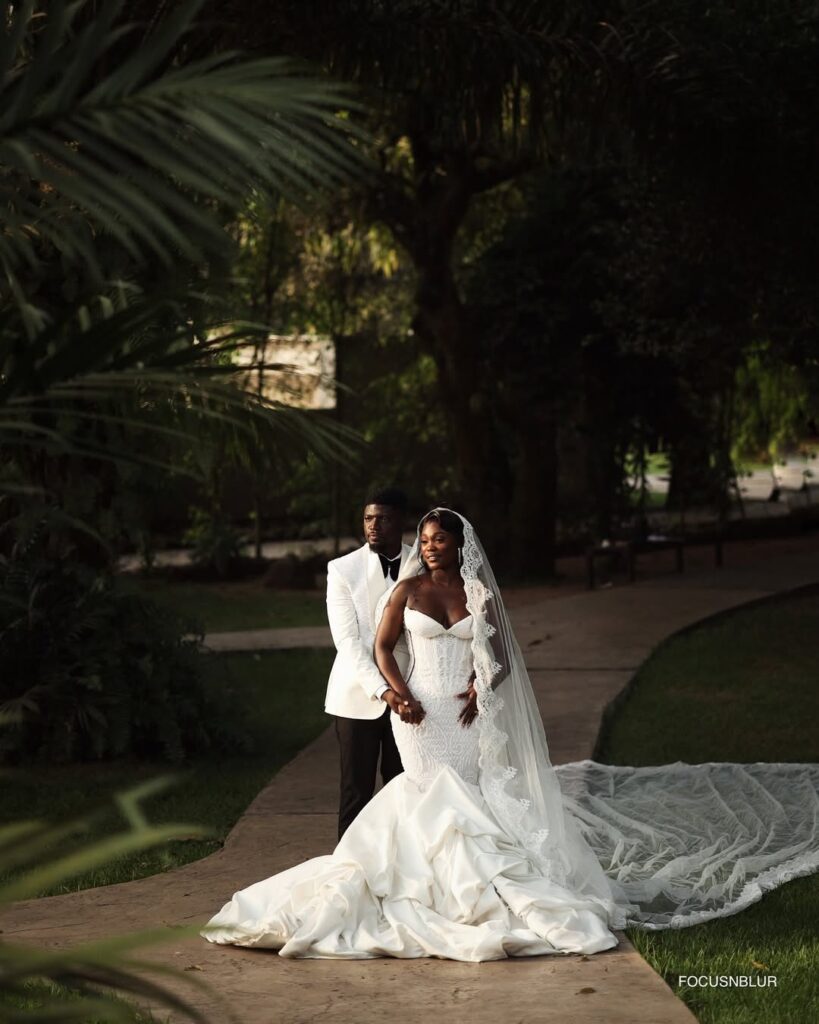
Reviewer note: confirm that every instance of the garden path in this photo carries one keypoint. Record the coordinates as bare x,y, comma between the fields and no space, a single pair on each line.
581,650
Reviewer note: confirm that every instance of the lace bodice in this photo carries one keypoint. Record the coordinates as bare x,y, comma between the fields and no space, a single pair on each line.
440,669
441,656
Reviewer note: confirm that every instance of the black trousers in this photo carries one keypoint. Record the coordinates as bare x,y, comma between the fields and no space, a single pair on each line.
361,742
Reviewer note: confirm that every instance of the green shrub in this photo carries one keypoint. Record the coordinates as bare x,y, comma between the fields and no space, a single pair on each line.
213,541
88,672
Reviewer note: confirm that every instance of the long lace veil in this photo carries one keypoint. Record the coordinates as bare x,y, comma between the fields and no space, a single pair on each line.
516,776
659,847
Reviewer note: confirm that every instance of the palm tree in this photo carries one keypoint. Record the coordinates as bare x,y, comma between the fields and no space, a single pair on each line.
123,157
117,180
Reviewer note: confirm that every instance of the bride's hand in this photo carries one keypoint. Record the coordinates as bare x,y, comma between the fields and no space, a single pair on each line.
412,711
408,709
469,712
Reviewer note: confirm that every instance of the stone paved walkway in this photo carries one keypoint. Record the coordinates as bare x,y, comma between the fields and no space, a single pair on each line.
581,650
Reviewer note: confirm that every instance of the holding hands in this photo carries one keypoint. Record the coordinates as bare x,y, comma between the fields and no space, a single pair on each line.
407,708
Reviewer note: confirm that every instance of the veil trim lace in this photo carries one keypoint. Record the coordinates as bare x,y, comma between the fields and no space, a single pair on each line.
516,776
665,846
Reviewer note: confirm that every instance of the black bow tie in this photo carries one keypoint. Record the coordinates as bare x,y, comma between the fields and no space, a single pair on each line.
390,566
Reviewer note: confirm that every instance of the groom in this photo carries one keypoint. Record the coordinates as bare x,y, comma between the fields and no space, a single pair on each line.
355,582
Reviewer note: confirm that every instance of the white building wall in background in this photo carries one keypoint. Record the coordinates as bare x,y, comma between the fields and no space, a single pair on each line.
298,370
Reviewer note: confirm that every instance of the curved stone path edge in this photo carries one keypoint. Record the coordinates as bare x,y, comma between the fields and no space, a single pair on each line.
581,651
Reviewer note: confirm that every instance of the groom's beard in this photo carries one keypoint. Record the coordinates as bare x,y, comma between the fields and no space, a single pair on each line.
380,547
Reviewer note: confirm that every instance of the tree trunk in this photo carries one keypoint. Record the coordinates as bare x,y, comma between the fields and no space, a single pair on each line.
692,475
427,226
442,325
533,519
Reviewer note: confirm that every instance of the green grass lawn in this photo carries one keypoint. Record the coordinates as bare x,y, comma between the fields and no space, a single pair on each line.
283,693
741,688
245,604
41,995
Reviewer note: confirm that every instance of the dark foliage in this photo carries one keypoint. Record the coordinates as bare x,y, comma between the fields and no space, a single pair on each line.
89,672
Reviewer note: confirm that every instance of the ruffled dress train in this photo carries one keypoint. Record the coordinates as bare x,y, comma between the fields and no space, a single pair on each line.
427,870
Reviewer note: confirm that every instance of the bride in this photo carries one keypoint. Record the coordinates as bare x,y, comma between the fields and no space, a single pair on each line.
482,849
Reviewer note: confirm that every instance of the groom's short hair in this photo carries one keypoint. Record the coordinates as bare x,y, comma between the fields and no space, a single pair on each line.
393,497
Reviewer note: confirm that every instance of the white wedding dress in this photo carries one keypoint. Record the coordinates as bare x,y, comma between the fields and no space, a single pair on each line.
424,870
482,849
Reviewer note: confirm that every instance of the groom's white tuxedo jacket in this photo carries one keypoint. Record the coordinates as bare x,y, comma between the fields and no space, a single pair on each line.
355,583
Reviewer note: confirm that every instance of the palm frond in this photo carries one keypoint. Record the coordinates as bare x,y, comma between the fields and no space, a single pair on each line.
125,365
92,971
142,153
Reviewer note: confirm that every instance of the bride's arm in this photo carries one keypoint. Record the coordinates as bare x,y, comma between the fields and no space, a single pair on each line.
398,696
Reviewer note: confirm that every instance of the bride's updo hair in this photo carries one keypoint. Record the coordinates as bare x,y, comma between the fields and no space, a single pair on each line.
447,521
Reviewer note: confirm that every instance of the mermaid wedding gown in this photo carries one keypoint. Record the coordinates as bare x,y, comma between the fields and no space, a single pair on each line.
425,869
482,849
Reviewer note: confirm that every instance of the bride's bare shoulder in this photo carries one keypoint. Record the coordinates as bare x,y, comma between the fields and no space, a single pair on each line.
402,591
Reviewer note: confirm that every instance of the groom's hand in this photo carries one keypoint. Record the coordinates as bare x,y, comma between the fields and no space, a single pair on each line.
408,709
411,710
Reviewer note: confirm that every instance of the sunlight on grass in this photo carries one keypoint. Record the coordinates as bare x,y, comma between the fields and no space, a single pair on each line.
778,933
741,688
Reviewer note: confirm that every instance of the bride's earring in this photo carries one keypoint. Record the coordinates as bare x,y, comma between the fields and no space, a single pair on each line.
460,556
421,561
